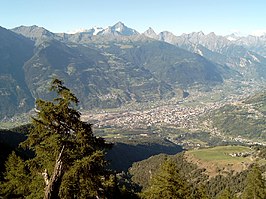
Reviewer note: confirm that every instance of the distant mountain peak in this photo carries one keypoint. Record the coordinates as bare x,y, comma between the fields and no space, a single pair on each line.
150,33
118,29
232,37
119,24
212,34
150,30
33,32
96,30
201,33
30,28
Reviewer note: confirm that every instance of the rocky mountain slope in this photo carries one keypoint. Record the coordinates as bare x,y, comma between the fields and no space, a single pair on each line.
244,54
15,50
107,67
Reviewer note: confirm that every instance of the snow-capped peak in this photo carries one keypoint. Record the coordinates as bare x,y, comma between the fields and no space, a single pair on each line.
96,30
232,37
258,33
77,31
119,29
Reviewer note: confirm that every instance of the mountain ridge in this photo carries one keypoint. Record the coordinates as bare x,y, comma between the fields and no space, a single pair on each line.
211,40
118,65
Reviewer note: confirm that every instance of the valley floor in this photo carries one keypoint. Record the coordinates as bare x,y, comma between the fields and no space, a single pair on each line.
180,121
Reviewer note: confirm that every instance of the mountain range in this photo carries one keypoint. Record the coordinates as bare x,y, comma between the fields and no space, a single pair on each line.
107,67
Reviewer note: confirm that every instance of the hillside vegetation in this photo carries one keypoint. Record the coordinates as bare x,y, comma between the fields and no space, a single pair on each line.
245,119
211,172
222,159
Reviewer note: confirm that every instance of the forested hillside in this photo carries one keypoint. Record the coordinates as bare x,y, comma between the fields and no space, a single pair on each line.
245,118
155,176
64,158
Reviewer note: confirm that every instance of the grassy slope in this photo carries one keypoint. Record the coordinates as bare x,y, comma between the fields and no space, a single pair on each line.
219,153
218,160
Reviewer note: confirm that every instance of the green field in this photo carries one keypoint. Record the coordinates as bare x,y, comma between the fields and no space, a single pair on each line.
218,159
220,153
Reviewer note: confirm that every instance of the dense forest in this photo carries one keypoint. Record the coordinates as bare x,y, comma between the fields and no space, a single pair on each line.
58,156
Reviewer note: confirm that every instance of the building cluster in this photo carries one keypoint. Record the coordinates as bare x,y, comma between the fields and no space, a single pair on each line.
175,116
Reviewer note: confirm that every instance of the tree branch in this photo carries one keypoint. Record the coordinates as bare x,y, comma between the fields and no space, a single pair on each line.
46,177
52,188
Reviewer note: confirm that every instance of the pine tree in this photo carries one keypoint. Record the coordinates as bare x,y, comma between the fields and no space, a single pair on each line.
200,192
167,183
225,194
15,176
255,185
69,159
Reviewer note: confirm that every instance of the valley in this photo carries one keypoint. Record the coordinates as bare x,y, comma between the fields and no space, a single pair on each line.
133,99
178,120
196,99
183,121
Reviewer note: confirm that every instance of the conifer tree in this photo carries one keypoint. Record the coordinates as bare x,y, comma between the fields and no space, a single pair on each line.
225,194
255,185
167,183
69,159
200,192
16,176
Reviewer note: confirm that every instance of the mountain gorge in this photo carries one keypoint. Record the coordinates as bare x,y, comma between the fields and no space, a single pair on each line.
108,67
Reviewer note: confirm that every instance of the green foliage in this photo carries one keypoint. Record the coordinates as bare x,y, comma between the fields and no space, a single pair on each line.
57,129
84,179
219,185
167,183
255,185
142,171
200,192
225,194
246,119
9,141
16,177
221,154
226,185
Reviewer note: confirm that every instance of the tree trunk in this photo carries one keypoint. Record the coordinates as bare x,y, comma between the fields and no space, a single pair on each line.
52,188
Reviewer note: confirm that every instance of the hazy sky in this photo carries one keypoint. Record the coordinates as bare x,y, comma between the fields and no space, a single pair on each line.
178,16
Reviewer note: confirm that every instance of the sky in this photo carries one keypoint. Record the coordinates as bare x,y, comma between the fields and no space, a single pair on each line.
177,16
